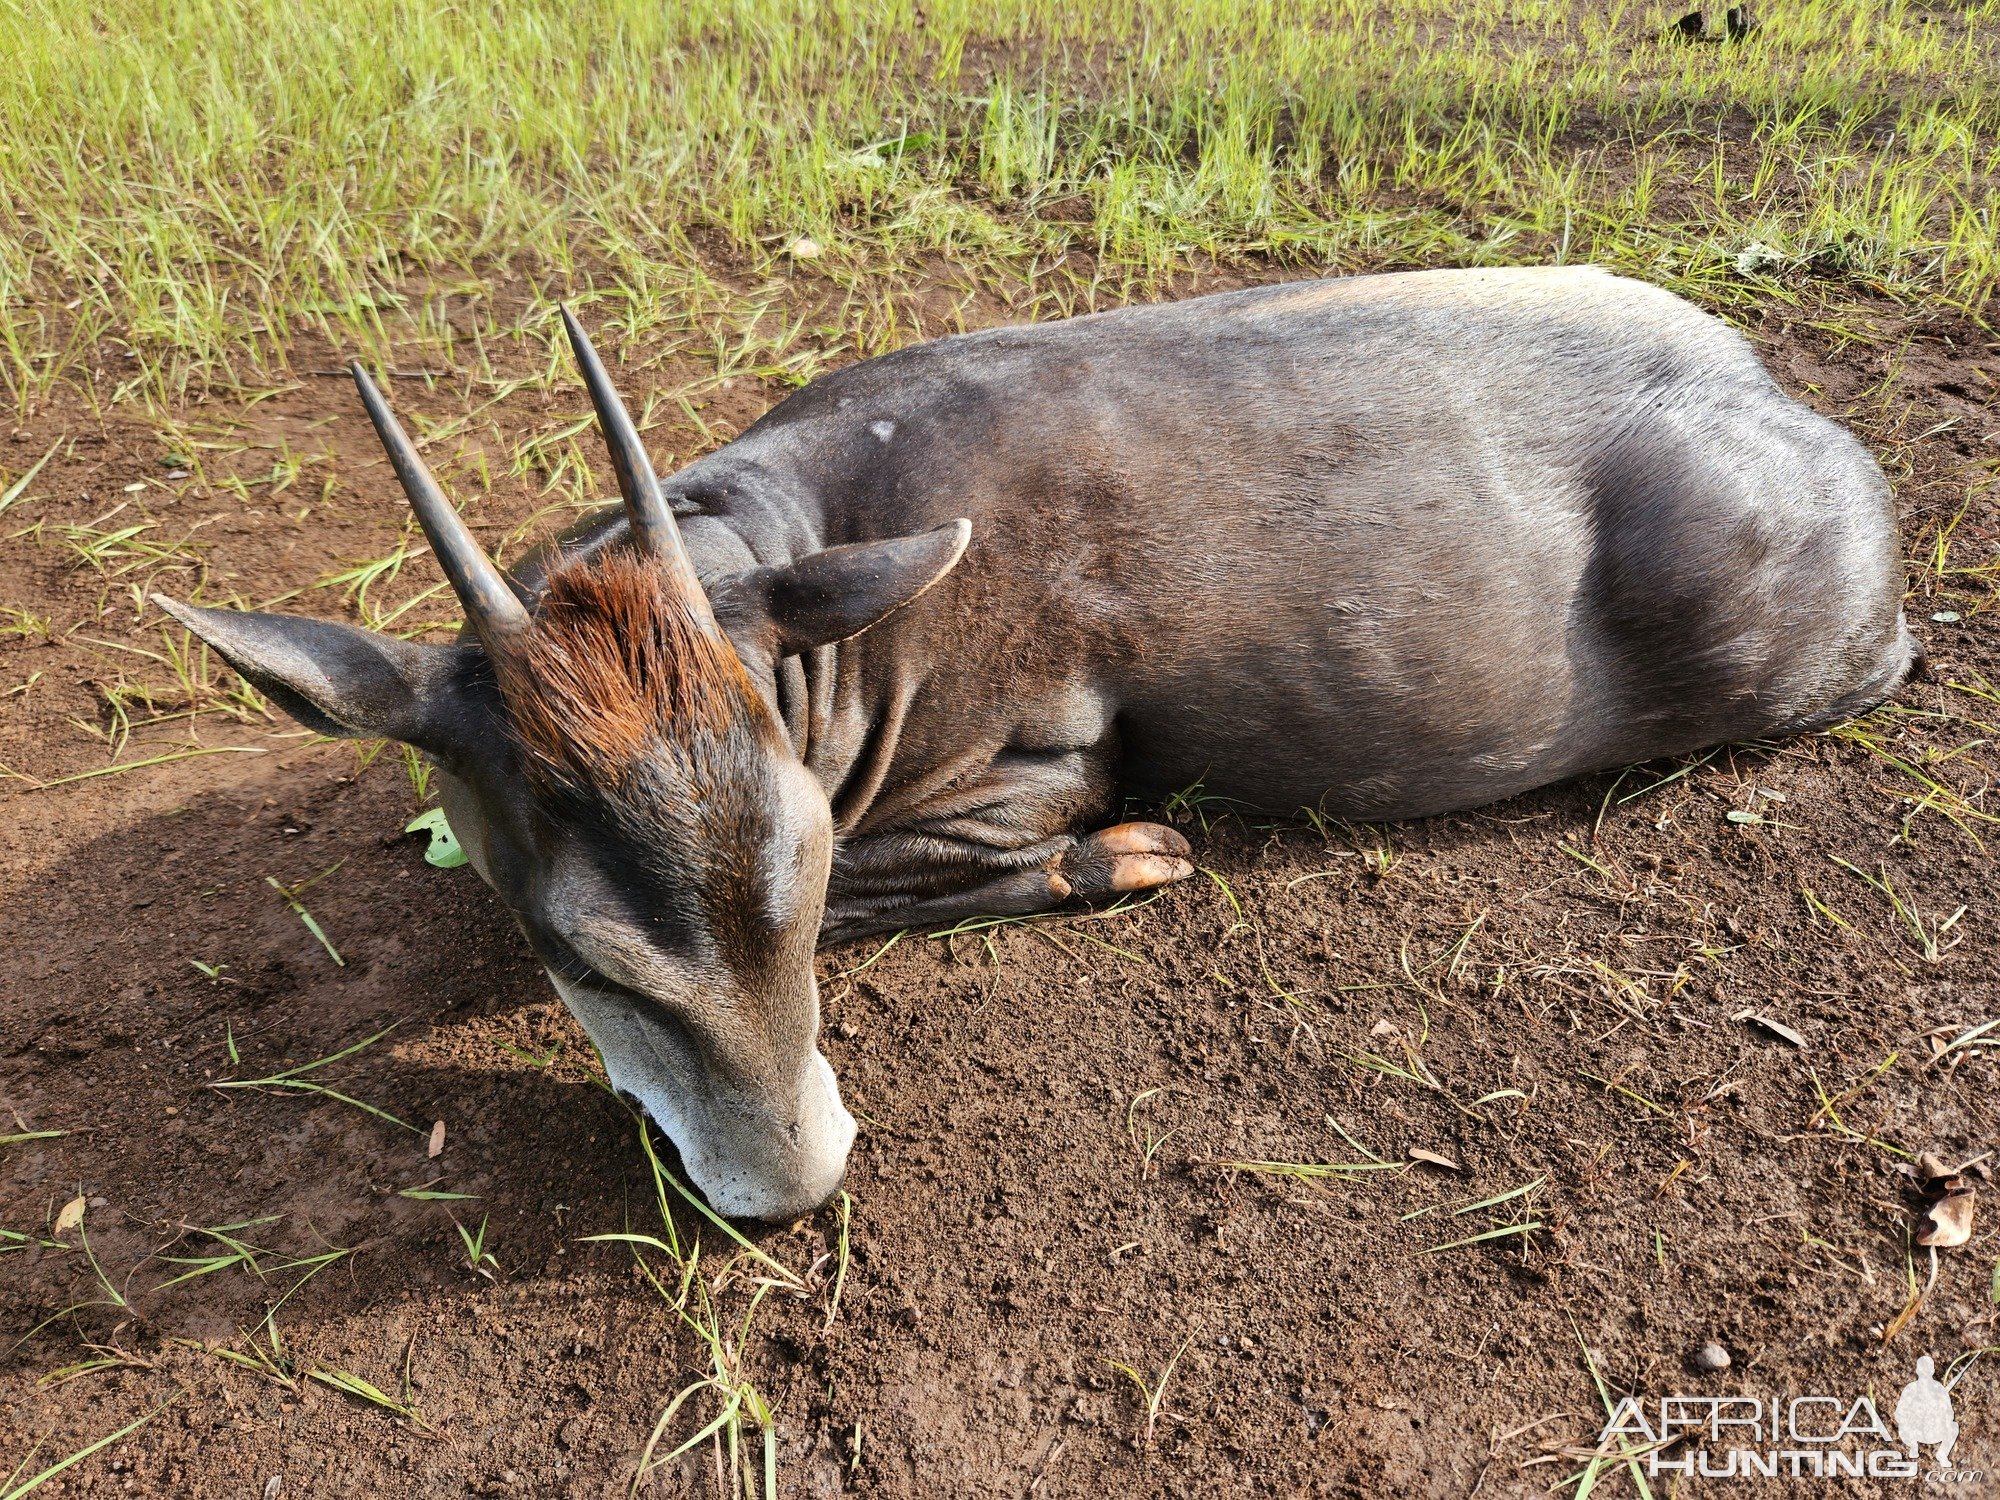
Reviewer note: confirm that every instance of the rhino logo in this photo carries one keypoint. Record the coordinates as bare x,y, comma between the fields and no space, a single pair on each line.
1924,1415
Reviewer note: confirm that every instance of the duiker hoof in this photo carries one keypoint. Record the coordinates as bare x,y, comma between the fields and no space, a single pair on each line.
1123,858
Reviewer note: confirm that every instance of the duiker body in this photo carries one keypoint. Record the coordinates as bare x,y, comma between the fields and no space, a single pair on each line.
1384,546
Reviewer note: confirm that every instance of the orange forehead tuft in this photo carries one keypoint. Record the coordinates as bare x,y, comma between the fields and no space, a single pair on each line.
615,665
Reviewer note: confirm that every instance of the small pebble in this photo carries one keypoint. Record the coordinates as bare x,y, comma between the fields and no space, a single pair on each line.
1711,1357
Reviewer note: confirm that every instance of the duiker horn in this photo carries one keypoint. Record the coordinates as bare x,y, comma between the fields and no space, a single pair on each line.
654,532
496,613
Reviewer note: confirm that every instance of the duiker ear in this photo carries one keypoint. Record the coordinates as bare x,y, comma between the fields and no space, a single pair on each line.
840,592
331,678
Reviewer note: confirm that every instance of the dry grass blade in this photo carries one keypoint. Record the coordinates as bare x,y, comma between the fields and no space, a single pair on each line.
1925,936
1493,1202
1629,1093
138,765
1967,1038
1307,1171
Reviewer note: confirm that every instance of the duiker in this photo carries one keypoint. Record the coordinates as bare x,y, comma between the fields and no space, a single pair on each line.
1386,546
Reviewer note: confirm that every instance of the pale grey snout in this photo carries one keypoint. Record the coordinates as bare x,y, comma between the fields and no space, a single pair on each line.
775,1153
801,1165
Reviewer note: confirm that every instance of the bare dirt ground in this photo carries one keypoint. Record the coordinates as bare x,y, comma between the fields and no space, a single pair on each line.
1061,1122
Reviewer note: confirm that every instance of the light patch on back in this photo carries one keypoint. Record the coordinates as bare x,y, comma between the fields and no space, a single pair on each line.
1479,287
883,430
1305,294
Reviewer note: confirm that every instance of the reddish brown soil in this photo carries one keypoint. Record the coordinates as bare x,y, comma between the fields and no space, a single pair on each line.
1009,1238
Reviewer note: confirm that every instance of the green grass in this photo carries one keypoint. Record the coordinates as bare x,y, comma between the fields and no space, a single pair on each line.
230,196
237,1252
194,185
741,1420
1153,1392
290,1078
478,1259
290,895
350,1384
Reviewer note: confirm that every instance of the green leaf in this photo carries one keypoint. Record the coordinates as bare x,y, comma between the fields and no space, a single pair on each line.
444,850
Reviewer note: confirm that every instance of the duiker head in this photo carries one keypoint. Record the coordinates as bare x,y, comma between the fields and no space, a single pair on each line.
614,765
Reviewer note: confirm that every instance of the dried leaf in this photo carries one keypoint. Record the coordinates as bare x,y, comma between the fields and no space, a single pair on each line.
1947,1223
1934,1173
437,1139
1777,1029
71,1216
1432,1159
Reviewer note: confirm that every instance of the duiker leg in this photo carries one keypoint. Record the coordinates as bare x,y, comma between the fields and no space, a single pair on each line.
994,882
